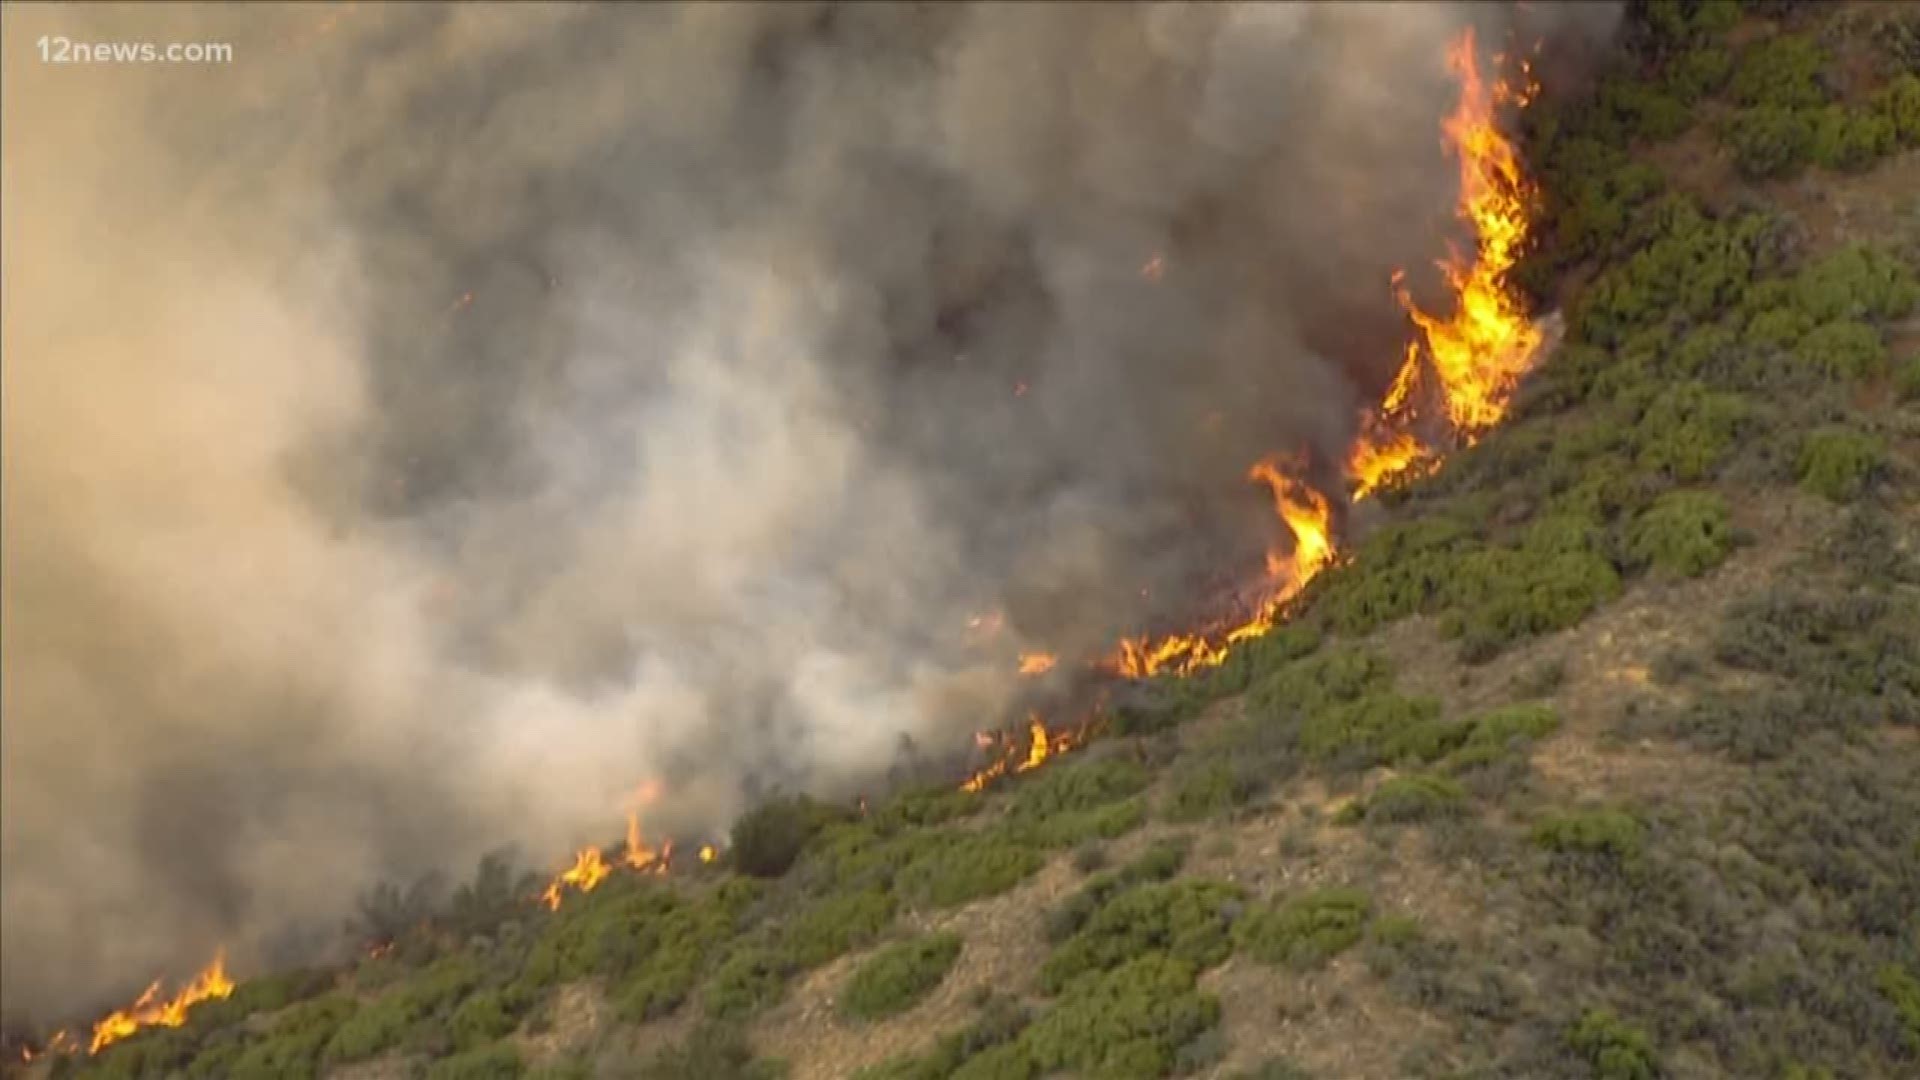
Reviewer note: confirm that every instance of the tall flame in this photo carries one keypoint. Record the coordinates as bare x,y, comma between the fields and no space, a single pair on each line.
589,869
149,1011
1475,359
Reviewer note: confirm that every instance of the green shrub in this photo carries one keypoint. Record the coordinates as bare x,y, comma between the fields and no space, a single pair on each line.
971,1051
1782,71
293,1046
1067,804
677,944
900,976
768,839
1419,797
1610,834
1856,282
712,1051
1899,103
1159,862
1838,463
1907,381
1902,990
1126,1023
1189,920
1850,140
1684,532
1857,645
970,868
1692,266
1306,930
483,1017
1843,349
1377,728
1769,142
1614,1050
1687,431
1208,790
836,924
752,977
497,1062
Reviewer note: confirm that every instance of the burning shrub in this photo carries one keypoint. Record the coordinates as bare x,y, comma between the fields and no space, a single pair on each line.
971,867
1189,920
1307,930
1126,1023
1838,463
1685,533
1614,1049
767,840
900,976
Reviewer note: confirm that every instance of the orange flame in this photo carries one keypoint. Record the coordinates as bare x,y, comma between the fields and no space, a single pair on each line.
1037,663
1016,756
149,1011
707,853
1479,355
589,869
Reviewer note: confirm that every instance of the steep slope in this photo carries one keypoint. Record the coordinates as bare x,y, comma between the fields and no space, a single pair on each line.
1597,757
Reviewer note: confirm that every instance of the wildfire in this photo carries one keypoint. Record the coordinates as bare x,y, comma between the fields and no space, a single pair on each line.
1475,359
1479,354
1037,663
589,869
1021,756
149,1011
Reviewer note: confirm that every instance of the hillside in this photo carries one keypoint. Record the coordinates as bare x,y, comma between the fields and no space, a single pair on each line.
1597,753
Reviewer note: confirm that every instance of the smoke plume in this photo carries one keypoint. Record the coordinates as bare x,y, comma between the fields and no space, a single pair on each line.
433,423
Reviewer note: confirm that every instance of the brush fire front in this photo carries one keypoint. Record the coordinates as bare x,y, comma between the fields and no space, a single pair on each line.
1456,382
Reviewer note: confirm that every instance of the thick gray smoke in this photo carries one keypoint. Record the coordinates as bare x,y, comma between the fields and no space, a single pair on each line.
433,423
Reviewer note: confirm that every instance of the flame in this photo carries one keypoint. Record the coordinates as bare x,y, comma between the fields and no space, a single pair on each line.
707,853
1475,360
1018,756
1037,663
589,869
149,1011
637,854
1479,354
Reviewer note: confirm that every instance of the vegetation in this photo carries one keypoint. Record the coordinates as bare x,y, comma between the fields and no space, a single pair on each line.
900,975
1710,875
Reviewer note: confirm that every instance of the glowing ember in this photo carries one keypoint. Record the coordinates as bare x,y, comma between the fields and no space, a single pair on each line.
1037,663
149,1011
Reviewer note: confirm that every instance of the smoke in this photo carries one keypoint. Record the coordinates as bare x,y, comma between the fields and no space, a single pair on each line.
433,423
